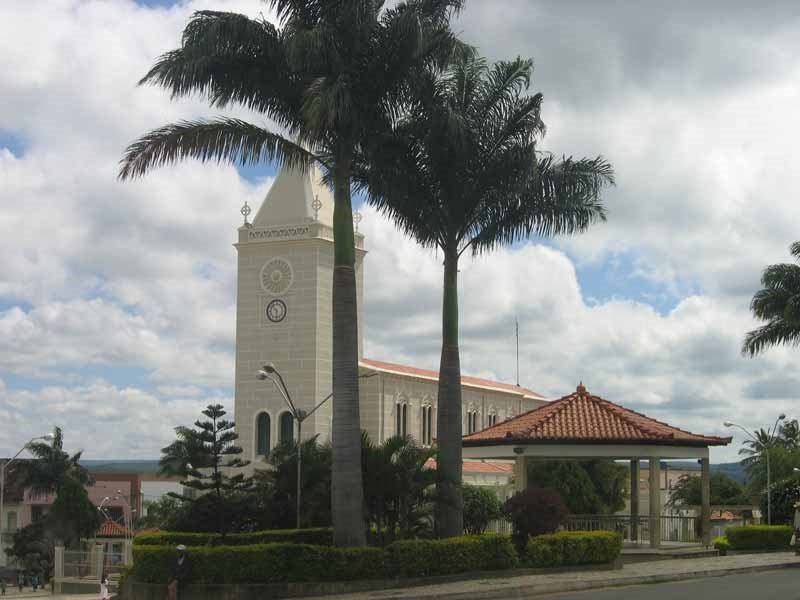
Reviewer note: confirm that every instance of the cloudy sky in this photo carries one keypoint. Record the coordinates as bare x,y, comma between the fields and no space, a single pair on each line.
117,300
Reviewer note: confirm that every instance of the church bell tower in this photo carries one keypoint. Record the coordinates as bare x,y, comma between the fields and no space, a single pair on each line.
283,311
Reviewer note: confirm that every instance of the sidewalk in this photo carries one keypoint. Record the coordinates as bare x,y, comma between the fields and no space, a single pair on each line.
529,586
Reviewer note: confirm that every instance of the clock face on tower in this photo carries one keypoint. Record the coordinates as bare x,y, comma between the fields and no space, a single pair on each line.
276,311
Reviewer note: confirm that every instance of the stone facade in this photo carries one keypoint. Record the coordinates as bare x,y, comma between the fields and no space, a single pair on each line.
283,316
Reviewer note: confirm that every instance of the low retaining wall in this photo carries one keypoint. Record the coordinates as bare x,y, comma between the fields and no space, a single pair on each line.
134,590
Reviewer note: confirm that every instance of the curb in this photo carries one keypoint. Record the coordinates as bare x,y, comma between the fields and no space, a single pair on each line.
533,590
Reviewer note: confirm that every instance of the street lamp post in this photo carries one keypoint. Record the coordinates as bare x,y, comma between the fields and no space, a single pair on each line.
47,436
765,451
268,371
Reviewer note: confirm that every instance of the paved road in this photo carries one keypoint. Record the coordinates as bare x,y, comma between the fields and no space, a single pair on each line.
778,585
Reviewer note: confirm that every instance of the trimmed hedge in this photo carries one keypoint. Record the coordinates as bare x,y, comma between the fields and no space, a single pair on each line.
263,563
759,537
573,548
322,536
280,562
424,558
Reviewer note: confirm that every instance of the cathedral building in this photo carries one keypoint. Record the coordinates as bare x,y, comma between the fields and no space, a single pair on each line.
283,316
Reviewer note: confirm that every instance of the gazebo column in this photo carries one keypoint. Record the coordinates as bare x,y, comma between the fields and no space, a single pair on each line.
705,500
655,502
635,474
521,473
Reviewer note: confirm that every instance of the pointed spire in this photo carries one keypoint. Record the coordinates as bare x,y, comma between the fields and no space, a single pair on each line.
296,198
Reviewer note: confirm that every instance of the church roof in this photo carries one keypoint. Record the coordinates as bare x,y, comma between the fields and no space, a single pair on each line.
581,417
466,381
290,199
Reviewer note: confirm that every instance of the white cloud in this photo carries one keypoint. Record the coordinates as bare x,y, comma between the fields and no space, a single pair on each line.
99,274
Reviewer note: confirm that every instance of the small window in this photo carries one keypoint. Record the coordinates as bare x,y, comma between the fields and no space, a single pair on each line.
262,434
492,419
11,522
401,419
286,427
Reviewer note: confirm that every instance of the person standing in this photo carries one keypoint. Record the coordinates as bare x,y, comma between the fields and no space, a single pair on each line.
104,595
3,587
181,571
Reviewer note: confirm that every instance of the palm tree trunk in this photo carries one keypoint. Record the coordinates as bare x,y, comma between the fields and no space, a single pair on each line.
347,492
450,512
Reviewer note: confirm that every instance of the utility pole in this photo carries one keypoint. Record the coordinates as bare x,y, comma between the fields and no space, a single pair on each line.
516,326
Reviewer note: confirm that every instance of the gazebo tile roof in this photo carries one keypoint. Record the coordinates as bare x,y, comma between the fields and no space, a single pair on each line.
581,417
110,529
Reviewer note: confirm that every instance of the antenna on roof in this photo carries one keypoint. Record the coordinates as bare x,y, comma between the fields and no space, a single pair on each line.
516,326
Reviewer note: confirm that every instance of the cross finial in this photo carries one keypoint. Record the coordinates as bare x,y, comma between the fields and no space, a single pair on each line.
581,389
316,205
246,210
357,217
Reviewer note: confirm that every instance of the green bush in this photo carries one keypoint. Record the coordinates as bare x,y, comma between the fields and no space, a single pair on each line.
573,548
534,511
423,558
759,537
264,563
281,562
722,544
784,494
316,537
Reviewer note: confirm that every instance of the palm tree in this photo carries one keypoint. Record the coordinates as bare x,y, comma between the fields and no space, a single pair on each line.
752,449
777,303
459,171
398,480
327,79
52,467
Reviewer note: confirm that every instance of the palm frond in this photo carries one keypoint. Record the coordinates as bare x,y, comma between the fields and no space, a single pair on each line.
560,198
774,333
221,139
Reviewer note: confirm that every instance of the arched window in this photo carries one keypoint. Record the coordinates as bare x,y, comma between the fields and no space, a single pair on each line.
401,418
472,420
426,417
263,424
492,419
286,427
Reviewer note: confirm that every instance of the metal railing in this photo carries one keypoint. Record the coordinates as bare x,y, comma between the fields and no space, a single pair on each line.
77,563
637,531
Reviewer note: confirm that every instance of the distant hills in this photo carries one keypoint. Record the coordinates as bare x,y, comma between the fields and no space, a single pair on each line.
733,470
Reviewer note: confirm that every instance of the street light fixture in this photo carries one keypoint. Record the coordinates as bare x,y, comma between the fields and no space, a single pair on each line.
765,451
270,371
46,436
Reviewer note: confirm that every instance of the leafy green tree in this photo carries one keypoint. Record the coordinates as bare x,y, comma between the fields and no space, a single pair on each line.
214,439
162,513
458,170
33,549
73,516
51,467
187,449
329,77
587,487
782,462
724,491
777,303
785,493
481,505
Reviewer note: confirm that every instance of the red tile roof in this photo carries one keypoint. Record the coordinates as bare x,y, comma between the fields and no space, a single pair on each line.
110,529
583,418
467,381
480,466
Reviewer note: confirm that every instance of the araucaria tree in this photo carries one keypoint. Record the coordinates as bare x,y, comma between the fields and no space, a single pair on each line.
328,78
777,303
218,455
458,170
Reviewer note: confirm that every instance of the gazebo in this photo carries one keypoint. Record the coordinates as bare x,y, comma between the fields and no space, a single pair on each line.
582,426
